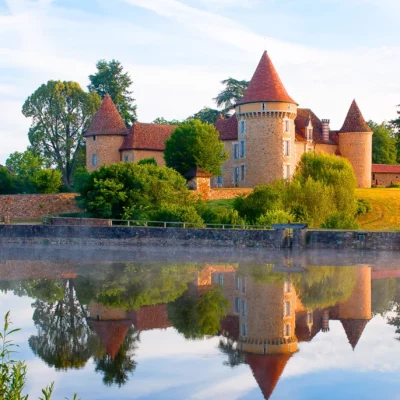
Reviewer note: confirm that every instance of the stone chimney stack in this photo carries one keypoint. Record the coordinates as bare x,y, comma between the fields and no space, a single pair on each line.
325,130
325,321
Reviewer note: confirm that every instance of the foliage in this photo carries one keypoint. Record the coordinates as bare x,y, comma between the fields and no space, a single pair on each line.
363,206
163,121
61,112
339,220
395,124
219,215
7,181
235,357
274,217
48,180
383,292
196,317
206,115
261,273
110,78
383,143
147,161
195,144
24,165
321,287
233,92
176,213
13,373
128,189
263,198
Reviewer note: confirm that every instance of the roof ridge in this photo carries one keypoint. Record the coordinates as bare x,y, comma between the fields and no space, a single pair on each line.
355,121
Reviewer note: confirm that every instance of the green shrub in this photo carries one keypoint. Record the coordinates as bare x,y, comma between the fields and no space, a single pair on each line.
363,206
176,213
274,217
219,215
47,180
147,161
340,221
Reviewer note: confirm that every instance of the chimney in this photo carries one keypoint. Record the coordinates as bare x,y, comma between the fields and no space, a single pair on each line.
325,321
325,130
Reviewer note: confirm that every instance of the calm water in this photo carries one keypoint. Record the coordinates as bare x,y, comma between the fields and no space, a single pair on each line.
157,324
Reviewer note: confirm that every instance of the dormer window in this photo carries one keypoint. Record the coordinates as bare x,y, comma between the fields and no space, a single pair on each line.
309,133
94,138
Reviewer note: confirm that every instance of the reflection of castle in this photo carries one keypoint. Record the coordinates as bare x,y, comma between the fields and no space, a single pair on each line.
268,320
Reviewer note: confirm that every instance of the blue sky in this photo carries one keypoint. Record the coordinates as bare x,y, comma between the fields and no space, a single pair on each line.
327,52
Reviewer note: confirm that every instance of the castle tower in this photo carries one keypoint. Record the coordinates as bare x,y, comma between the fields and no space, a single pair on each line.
355,312
355,143
104,136
266,130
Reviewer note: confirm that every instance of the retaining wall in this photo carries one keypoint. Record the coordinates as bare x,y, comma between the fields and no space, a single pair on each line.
35,206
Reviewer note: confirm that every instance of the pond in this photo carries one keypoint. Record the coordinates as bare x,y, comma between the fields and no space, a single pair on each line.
204,324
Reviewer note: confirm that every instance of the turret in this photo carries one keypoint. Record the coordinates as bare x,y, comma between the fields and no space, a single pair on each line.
355,143
266,130
105,136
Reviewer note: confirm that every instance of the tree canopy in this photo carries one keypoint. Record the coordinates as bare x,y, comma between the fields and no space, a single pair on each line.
233,92
192,144
61,112
383,143
207,115
110,78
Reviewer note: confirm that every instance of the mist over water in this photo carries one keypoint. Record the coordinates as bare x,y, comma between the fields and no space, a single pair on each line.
174,323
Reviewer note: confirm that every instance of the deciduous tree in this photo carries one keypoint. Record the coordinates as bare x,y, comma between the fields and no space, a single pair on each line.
383,143
233,92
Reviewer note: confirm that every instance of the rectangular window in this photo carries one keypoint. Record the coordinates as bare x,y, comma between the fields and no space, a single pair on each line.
221,279
244,308
244,329
126,158
309,133
287,308
286,148
309,317
243,171
236,175
287,125
94,160
242,148
287,171
236,151
244,285
94,138
287,287
237,305
242,127
238,282
287,330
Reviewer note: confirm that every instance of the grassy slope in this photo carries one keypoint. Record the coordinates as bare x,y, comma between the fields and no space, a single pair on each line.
385,214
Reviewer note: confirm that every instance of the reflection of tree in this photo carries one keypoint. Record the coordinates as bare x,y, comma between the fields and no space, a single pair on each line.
383,295
322,287
235,357
116,370
261,273
64,339
196,317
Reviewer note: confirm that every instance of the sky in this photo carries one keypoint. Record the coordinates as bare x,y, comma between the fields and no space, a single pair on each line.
327,52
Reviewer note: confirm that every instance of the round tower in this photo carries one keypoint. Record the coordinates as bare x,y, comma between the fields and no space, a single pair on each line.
105,136
355,143
266,131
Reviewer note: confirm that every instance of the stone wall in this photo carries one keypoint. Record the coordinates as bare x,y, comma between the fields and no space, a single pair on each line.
79,221
35,206
380,179
228,193
106,147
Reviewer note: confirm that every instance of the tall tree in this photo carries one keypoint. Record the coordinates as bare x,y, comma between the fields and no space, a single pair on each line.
24,165
233,92
192,144
396,127
383,143
207,115
110,78
61,112
163,121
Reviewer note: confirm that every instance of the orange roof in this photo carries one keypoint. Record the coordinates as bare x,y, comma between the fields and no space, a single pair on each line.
227,128
267,370
265,85
354,329
107,120
111,334
354,121
143,136
151,317
386,168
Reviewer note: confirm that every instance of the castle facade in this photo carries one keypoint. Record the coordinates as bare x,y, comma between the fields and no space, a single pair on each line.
265,137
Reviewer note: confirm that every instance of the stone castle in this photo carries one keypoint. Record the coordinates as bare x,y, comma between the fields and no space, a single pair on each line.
264,138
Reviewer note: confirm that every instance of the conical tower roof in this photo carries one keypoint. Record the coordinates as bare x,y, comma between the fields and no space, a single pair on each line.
354,121
354,329
111,334
265,85
267,370
107,120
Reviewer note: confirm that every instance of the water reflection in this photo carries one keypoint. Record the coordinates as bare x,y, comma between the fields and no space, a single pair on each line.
261,313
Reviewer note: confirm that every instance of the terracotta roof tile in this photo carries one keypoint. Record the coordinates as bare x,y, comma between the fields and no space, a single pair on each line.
107,120
354,121
147,136
151,317
227,128
386,168
354,329
265,85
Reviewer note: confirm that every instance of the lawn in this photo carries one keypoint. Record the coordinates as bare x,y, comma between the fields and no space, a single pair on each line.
385,214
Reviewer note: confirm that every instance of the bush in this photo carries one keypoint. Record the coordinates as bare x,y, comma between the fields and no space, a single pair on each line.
48,180
148,161
274,217
363,207
176,213
219,215
340,221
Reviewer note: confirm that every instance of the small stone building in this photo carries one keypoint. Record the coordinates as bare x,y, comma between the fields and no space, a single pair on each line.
265,137
385,175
